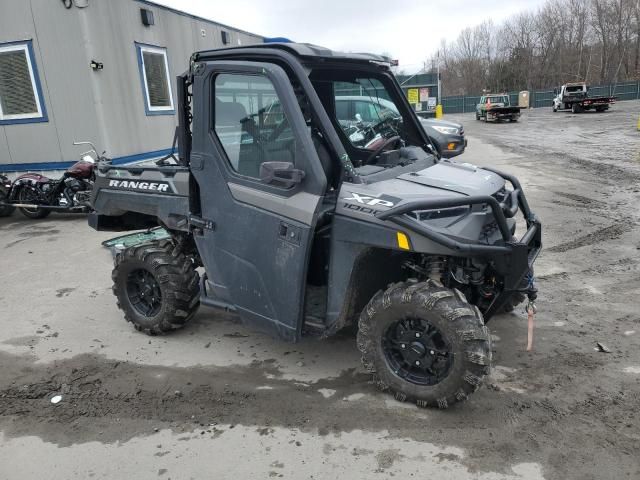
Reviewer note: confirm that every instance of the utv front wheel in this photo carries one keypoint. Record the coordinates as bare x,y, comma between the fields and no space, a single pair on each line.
425,343
157,287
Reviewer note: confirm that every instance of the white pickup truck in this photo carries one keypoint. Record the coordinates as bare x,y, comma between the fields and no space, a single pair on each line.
575,97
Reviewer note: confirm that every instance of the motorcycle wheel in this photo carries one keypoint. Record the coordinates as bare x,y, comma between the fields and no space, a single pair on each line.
5,210
27,196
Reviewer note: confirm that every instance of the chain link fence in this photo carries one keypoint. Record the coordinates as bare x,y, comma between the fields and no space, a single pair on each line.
542,98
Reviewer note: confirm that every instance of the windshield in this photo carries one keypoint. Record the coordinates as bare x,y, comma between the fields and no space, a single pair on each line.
365,111
369,113
498,99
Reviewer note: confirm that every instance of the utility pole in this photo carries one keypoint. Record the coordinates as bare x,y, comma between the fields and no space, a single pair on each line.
439,98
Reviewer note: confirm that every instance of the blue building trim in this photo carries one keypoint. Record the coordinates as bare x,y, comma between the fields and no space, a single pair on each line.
46,166
139,46
36,78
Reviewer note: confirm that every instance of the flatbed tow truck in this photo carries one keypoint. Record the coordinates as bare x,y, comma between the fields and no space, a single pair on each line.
575,97
497,107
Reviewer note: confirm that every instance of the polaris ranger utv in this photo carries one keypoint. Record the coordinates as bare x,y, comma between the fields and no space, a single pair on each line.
299,230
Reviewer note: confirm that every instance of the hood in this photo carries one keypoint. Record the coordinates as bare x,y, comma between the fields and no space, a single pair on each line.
444,123
444,179
451,176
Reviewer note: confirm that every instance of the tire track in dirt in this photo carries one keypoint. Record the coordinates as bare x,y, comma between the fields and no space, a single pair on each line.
601,235
107,401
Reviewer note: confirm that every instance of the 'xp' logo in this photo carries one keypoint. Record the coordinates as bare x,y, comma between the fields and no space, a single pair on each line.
372,201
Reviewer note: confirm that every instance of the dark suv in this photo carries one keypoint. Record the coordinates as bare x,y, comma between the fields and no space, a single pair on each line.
352,110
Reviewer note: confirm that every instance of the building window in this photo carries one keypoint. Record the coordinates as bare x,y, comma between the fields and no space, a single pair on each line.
20,92
156,81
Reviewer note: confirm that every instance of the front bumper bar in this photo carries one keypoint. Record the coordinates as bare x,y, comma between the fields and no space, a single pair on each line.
512,259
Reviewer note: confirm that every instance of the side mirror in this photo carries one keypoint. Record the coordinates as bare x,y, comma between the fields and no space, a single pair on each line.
280,173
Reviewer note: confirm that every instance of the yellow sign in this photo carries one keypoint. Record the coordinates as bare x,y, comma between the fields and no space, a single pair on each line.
413,95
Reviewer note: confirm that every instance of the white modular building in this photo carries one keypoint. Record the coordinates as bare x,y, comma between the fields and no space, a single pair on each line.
96,70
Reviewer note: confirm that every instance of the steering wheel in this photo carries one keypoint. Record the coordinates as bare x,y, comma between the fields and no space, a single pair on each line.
378,126
378,151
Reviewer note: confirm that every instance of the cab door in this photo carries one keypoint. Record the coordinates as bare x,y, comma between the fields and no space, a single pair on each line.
245,114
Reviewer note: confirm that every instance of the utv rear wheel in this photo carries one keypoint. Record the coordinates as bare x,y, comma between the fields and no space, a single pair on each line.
425,343
157,287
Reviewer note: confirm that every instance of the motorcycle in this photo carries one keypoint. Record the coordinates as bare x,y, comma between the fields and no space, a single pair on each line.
36,196
5,186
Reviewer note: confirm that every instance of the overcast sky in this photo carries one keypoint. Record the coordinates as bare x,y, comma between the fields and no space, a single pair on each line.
410,30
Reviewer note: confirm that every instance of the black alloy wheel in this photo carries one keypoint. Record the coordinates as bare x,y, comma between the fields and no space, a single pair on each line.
417,351
144,292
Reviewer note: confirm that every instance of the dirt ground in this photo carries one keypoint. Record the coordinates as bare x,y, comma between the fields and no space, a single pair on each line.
217,400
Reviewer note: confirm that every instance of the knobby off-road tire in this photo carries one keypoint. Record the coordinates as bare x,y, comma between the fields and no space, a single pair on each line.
157,287
458,326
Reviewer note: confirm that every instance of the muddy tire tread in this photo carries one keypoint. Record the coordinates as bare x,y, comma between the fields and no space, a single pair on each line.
177,276
449,306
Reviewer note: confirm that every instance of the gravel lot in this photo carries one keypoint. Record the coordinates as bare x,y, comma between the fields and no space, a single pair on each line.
217,400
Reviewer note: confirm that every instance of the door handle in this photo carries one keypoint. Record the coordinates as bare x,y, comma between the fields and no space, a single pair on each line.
289,233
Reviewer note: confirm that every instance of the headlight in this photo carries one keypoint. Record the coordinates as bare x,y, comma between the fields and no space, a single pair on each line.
445,130
423,215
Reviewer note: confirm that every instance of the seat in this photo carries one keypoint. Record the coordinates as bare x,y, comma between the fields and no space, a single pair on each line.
229,114
233,125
